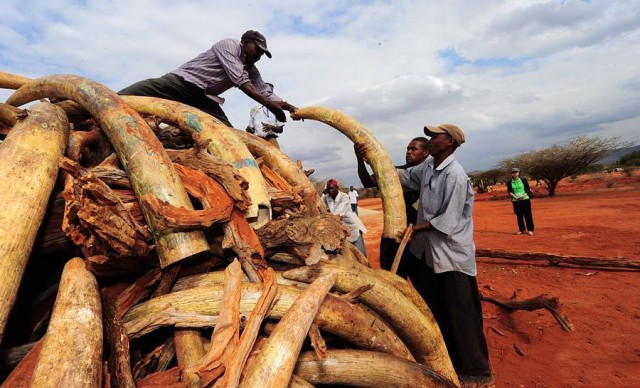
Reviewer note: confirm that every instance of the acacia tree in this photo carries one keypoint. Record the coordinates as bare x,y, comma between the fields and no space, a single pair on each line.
564,159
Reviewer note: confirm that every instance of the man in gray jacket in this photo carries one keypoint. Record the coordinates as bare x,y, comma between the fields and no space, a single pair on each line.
443,263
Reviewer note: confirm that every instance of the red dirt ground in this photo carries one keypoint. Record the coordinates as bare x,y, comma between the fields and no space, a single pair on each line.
595,216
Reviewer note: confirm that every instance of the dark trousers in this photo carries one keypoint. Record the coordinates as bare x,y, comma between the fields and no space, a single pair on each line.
173,87
454,300
523,214
388,249
354,207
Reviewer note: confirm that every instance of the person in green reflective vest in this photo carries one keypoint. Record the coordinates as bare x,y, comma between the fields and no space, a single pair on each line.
521,199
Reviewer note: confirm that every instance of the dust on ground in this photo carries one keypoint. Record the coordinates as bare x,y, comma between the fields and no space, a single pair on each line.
594,216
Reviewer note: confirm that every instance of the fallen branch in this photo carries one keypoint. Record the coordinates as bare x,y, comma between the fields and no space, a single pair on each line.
539,302
556,260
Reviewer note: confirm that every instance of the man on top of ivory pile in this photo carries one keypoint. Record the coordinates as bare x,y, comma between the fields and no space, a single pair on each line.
199,82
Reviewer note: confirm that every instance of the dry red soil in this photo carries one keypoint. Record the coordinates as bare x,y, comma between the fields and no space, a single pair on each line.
593,216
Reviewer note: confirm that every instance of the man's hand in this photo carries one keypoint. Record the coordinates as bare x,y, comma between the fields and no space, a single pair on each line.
272,128
286,106
274,107
361,151
424,227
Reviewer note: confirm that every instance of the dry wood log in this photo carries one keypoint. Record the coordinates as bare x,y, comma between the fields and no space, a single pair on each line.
226,335
317,342
29,159
222,143
279,162
284,197
119,363
97,220
324,229
235,364
169,218
167,281
284,201
359,368
140,152
420,332
220,170
239,236
188,342
71,354
9,115
21,375
395,218
557,260
109,172
336,316
551,303
274,365
216,203
116,302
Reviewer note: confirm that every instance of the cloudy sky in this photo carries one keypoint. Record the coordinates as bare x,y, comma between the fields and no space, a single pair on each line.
515,75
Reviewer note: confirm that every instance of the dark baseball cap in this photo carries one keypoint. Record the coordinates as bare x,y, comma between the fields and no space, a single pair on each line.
259,39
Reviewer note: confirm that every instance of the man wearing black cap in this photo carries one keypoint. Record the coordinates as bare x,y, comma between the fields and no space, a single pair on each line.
442,260
199,82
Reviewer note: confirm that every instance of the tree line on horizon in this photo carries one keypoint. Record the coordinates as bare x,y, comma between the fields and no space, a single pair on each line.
577,155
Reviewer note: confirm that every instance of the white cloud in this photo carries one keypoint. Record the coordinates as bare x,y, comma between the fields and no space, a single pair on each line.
527,73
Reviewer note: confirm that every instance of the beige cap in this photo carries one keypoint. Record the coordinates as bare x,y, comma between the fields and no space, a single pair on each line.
455,132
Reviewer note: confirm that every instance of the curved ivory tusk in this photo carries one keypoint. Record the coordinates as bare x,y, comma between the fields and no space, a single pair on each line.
71,354
274,364
223,143
337,316
285,167
147,164
29,160
421,333
217,277
395,218
12,81
361,368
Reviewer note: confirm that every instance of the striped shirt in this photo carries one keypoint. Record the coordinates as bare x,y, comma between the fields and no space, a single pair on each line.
220,68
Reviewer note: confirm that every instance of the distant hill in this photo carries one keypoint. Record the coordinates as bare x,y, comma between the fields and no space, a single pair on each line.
616,155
